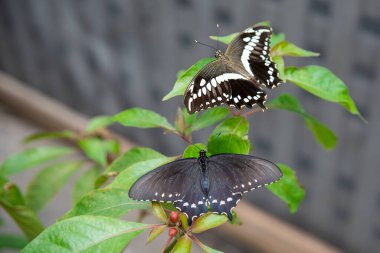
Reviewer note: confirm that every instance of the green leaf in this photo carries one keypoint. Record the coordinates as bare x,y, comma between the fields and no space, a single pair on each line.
99,122
322,83
209,118
229,144
102,179
128,176
206,248
208,221
159,212
30,158
106,202
97,149
263,23
86,234
183,245
12,242
180,72
184,221
235,219
184,80
285,48
66,134
114,200
155,232
10,193
230,136
48,182
189,118
13,203
193,150
142,118
276,38
85,183
225,39
237,125
280,66
288,188
133,155
321,133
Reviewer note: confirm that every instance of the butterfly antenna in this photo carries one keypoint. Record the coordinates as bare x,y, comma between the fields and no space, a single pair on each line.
203,44
217,35
197,147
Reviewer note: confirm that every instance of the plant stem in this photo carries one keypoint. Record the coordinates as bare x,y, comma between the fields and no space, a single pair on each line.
166,247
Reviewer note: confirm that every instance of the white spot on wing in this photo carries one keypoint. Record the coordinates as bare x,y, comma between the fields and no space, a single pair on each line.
248,47
244,59
213,81
203,82
246,39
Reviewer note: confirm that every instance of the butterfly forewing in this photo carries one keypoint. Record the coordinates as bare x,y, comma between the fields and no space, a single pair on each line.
251,50
231,175
165,183
219,83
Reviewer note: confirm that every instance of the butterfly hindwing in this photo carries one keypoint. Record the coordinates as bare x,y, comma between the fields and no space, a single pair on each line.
251,50
218,83
231,175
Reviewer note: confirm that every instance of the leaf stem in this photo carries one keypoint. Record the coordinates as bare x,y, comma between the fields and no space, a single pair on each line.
245,115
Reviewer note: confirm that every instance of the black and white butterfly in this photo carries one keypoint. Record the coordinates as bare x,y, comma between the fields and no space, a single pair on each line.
199,185
235,77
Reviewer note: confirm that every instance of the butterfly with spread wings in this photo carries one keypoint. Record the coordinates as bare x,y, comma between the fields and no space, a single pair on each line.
235,77
199,185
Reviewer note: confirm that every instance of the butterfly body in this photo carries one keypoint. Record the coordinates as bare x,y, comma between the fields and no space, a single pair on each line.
235,77
196,185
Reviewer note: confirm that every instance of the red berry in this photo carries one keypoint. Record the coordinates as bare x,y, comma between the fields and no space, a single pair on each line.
173,232
174,217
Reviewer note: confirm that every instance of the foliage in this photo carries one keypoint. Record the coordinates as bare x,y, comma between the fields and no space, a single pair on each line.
100,193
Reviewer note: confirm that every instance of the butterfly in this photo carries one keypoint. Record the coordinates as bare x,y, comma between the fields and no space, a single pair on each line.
235,77
199,185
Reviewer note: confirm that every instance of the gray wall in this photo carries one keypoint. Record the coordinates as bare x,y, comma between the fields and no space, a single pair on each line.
100,57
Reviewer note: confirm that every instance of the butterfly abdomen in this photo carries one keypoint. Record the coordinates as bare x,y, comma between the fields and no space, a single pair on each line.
205,181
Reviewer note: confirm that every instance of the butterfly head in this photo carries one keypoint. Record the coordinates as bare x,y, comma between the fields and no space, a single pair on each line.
202,154
218,53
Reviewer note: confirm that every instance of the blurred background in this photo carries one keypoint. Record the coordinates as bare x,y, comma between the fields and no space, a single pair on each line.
100,57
